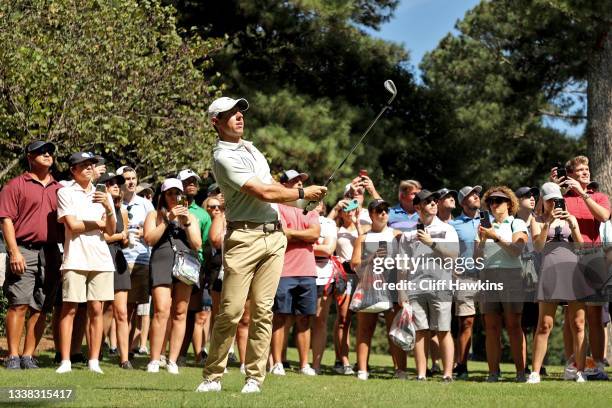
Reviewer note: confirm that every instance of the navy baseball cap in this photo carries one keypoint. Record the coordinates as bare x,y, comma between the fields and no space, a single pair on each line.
39,144
80,157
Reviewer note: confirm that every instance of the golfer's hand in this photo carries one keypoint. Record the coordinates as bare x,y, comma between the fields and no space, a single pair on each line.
17,262
314,193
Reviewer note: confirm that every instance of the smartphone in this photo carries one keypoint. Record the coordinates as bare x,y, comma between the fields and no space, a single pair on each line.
420,227
559,203
363,172
561,172
183,201
353,204
485,221
100,188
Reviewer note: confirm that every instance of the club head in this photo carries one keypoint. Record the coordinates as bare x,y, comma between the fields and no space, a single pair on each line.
390,86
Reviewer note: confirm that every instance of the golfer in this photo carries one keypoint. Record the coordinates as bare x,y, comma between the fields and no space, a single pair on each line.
253,247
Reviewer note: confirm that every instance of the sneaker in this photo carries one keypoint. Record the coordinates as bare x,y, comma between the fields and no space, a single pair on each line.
181,361
461,372
251,386
435,369
400,375
113,352
172,367
420,378
202,357
362,375
277,369
78,358
27,363
580,377
143,351
58,357
543,372
94,365
493,377
153,366
13,363
447,379
163,361
521,378
242,369
209,386
65,367
534,378
348,370
231,358
307,370
598,373
338,367
428,373
570,371
126,365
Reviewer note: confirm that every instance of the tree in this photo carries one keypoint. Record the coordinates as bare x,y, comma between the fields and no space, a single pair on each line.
513,62
111,77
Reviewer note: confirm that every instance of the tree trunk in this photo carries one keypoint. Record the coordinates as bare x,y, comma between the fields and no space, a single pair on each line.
599,125
8,168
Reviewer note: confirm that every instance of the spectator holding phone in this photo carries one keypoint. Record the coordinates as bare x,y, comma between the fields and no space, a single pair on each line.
590,208
560,280
87,213
171,225
501,243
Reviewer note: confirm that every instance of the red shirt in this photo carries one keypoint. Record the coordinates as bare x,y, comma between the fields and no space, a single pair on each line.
33,209
299,257
589,226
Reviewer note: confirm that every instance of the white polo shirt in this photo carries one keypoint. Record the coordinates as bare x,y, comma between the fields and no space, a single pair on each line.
233,165
86,251
495,256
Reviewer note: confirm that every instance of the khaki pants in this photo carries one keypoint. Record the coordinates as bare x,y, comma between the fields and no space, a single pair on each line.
252,262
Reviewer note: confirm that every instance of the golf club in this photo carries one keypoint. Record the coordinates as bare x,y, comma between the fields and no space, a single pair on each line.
390,87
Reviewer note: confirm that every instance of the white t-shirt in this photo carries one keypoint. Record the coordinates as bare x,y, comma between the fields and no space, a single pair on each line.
137,210
233,165
86,251
344,246
324,266
494,255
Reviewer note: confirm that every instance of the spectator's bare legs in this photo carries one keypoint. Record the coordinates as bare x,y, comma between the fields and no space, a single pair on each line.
366,324
596,332
161,304
420,358
107,317
69,311
145,324
79,328
577,312
120,313
319,330
517,339
447,351
466,324
342,329
15,320
568,342
493,327
399,355
242,333
278,336
546,321
95,328
199,334
302,338
180,303
434,348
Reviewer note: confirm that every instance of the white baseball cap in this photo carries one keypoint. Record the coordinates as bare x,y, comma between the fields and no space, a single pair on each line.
224,104
550,190
171,183
187,173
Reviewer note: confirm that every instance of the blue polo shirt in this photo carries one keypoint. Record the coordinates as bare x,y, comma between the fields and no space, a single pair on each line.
399,219
467,231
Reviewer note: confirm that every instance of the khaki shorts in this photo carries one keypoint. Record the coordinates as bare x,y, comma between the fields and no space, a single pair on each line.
83,286
465,307
431,314
139,275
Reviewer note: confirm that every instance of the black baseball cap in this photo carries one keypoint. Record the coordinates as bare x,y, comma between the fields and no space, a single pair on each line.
81,157
377,203
445,191
110,176
39,144
424,195
213,188
523,191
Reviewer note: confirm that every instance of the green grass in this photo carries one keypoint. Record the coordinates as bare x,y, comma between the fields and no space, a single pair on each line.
119,388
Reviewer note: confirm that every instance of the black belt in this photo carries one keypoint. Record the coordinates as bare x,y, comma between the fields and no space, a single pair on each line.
30,245
257,226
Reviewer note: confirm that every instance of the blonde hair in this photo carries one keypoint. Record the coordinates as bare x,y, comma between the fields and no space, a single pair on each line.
575,162
407,185
513,206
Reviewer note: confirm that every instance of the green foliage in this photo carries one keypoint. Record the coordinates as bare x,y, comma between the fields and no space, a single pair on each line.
111,77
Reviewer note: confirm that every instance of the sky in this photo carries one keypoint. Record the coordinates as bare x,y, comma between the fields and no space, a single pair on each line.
420,24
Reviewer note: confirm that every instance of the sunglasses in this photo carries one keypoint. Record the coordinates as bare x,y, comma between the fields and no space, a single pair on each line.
528,195
382,210
43,151
497,200
213,207
431,200
129,209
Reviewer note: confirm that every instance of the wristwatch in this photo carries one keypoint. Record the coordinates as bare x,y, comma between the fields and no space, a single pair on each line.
433,246
586,196
301,193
